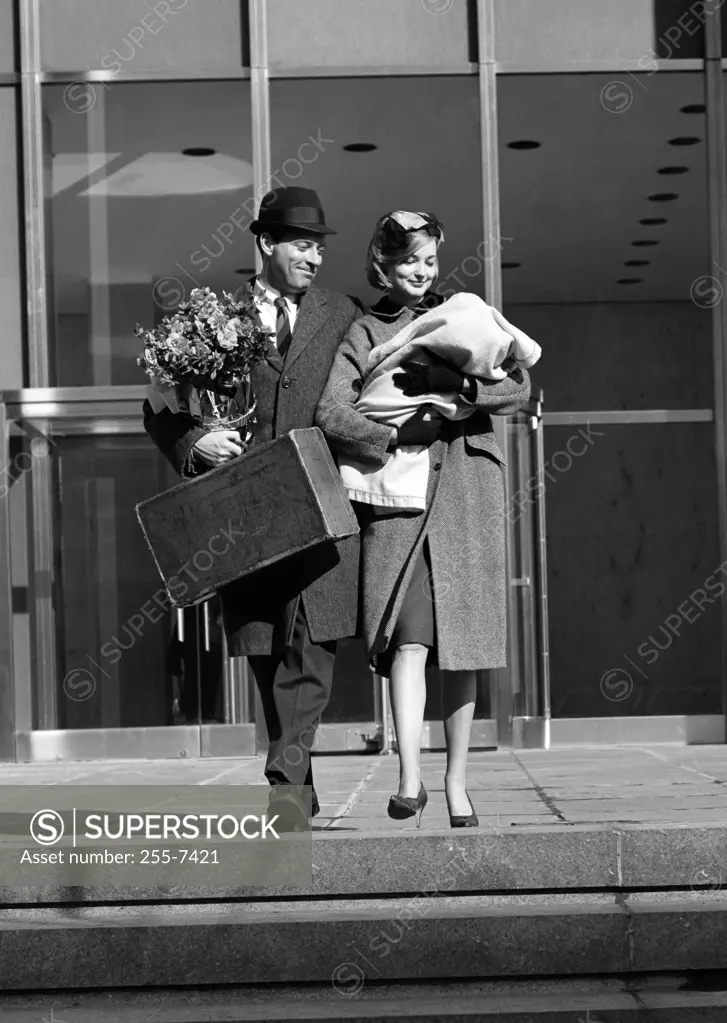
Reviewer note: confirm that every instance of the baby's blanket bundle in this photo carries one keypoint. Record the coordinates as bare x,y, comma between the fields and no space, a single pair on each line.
468,334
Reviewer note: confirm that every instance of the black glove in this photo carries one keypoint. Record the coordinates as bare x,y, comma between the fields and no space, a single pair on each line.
418,431
418,378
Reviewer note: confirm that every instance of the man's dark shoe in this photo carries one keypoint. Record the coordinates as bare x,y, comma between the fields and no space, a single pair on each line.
291,811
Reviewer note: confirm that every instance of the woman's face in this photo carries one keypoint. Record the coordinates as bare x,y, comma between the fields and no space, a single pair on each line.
413,276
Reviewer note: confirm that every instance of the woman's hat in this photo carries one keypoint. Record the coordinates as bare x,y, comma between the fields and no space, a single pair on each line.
396,227
291,206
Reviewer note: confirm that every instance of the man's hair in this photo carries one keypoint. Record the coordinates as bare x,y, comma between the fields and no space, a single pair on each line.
277,233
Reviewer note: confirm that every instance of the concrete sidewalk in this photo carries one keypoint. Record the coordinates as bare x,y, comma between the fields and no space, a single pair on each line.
512,790
590,864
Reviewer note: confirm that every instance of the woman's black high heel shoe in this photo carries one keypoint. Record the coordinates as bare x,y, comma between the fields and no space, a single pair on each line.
403,807
460,820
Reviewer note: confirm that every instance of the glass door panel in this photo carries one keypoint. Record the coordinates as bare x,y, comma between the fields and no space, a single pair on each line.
104,665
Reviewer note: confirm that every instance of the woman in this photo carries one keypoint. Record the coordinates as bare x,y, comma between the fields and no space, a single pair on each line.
434,581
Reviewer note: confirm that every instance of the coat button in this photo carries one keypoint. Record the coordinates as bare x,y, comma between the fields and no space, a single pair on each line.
437,466
287,381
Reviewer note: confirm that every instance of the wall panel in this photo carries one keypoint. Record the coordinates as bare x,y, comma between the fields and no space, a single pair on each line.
377,33
632,539
7,35
143,35
621,355
562,32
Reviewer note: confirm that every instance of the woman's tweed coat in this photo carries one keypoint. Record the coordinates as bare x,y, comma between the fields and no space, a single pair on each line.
464,520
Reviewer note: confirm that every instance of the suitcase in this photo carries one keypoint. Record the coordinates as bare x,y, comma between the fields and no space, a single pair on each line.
266,505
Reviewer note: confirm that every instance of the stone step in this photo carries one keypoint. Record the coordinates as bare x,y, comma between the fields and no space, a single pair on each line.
560,1001
351,943
514,859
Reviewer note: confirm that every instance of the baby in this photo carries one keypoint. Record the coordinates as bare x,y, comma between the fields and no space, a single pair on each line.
465,333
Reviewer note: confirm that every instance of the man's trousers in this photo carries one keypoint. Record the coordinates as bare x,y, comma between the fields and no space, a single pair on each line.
295,686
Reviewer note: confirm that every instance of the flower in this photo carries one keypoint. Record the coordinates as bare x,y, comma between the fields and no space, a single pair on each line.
227,335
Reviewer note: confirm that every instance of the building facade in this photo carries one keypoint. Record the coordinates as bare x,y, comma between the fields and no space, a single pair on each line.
575,151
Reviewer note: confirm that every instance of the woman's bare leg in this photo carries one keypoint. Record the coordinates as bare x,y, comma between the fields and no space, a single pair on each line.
459,691
408,696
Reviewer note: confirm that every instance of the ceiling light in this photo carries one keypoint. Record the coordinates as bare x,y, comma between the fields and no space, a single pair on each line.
510,266
199,151
653,221
360,147
166,174
686,140
672,170
71,168
637,262
524,144
630,280
644,243
663,197
694,108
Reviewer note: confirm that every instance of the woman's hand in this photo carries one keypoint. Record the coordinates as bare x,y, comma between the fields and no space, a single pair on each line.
418,378
418,430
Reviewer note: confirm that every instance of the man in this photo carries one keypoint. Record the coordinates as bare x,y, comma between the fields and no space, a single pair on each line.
286,619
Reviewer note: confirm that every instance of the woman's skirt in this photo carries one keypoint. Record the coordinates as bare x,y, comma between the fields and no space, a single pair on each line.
415,623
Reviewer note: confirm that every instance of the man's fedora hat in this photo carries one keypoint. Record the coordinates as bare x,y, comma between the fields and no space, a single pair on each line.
291,207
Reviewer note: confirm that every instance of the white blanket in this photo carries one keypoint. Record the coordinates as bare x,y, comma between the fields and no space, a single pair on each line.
471,336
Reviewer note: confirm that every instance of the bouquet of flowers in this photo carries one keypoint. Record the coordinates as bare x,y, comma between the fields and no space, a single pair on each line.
200,360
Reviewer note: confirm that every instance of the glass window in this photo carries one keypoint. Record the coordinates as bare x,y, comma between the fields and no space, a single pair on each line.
371,33
606,263
149,182
11,371
605,236
633,570
7,36
139,35
531,33
376,152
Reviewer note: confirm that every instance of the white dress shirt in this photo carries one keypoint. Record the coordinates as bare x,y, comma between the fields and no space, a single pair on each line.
265,301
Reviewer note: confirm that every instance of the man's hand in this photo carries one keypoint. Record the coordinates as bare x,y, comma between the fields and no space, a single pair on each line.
417,430
218,447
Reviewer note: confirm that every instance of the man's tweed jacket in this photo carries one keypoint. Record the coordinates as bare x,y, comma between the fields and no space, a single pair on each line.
464,518
259,613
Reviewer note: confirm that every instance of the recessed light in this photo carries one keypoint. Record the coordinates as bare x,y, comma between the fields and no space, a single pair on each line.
510,266
360,147
644,243
199,151
524,144
673,170
637,262
694,108
653,221
686,140
663,197
245,270
630,280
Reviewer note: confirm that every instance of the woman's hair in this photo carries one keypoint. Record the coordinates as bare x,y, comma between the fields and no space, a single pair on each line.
396,236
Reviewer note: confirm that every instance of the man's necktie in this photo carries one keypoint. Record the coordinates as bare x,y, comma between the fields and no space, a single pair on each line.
282,327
